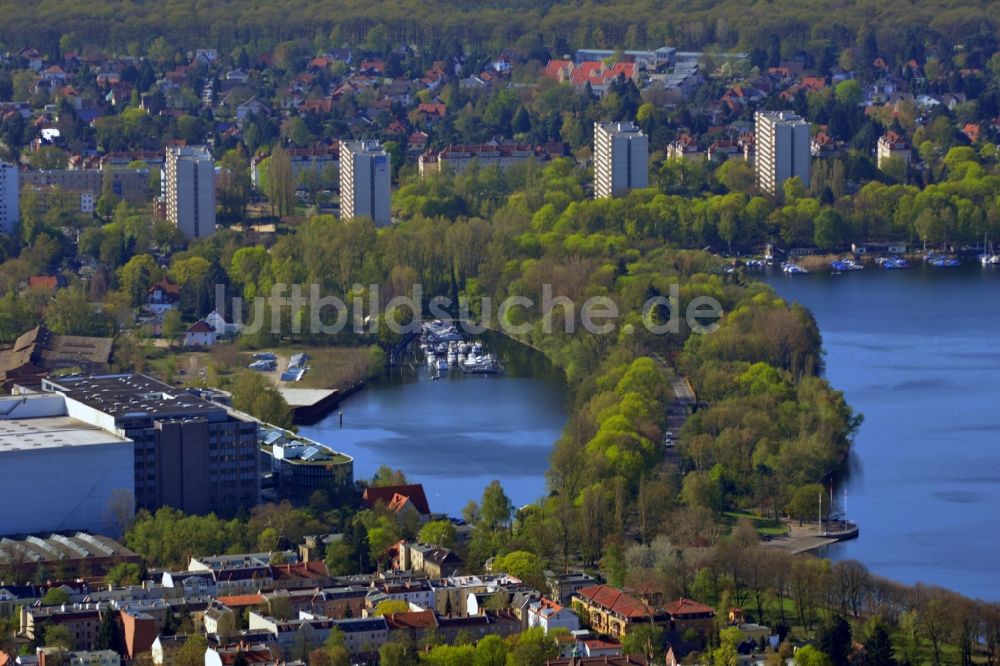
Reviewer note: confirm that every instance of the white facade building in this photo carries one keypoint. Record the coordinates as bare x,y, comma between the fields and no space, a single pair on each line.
58,472
10,211
190,190
783,150
621,156
94,658
365,181
549,615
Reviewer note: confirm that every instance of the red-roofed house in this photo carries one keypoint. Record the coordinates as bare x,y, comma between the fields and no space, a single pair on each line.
549,614
611,612
200,334
686,614
46,282
163,296
431,112
891,145
813,83
398,497
684,147
972,130
558,70
822,145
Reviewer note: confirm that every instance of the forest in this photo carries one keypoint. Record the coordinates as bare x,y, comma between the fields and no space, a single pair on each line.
444,26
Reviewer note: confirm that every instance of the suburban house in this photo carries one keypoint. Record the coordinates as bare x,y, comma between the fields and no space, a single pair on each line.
686,614
892,145
549,614
222,327
684,147
163,296
399,500
200,334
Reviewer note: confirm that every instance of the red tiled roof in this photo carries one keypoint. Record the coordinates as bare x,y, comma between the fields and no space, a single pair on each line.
412,620
45,281
685,607
616,601
555,67
386,494
201,326
813,82
167,287
433,109
311,569
241,600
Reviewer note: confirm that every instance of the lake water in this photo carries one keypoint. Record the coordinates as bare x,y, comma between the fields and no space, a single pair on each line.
456,434
918,353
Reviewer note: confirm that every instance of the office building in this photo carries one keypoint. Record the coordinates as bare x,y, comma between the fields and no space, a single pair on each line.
58,472
621,155
10,210
190,454
189,181
364,181
783,150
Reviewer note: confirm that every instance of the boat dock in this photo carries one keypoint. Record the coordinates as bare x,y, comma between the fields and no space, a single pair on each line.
803,538
310,405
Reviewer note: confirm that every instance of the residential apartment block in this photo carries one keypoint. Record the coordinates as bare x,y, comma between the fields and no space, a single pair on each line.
322,163
783,150
456,158
189,180
365,175
621,155
129,184
10,208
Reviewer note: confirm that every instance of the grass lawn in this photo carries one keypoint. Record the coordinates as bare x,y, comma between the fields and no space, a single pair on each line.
329,367
765,526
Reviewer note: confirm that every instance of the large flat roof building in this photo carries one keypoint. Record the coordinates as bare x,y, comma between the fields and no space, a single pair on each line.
783,150
365,188
189,179
58,472
191,454
621,155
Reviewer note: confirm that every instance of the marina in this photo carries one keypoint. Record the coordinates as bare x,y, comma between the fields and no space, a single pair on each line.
445,349
457,433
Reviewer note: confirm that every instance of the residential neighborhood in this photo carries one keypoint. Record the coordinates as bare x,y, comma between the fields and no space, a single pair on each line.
498,334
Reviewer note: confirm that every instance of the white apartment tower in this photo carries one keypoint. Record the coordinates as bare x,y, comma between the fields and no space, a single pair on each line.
621,156
364,181
190,190
783,150
10,212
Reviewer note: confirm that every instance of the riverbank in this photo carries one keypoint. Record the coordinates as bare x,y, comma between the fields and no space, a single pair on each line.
810,536
915,352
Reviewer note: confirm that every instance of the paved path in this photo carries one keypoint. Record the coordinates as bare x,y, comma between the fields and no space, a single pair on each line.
800,539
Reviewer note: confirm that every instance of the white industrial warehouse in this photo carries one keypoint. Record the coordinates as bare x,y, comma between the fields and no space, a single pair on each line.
57,472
